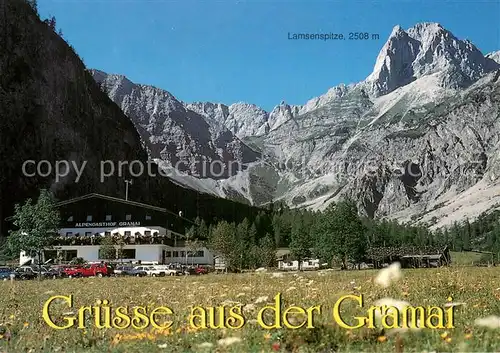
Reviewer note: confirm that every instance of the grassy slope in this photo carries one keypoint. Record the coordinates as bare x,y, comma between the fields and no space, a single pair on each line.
466,258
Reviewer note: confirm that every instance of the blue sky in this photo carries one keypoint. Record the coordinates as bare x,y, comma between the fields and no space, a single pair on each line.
231,51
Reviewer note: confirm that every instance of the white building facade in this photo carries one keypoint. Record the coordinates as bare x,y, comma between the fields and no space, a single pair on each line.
310,264
141,233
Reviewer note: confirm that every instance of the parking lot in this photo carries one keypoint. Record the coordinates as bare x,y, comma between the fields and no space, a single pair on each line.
103,269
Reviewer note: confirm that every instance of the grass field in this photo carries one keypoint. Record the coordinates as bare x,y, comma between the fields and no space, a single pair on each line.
22,328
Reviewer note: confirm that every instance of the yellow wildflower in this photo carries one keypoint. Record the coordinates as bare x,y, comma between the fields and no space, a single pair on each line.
382,339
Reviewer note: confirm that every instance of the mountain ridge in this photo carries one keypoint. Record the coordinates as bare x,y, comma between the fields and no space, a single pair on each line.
312,154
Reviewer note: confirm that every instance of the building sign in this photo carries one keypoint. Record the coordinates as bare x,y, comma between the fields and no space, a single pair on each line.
107,224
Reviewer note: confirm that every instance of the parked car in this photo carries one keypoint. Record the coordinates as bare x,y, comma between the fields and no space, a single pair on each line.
169,271
89,270
129,271
5,273
25,273
200,270
151,271
188,270
50,272
73,271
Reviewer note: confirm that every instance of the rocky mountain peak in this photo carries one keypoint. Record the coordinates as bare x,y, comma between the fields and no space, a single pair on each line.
282,113
426,49
494,56
119,88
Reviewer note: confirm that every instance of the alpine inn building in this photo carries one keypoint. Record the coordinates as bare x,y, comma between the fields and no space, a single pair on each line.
147,232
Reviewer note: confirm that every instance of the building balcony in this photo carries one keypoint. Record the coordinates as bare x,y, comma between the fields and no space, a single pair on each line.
137,239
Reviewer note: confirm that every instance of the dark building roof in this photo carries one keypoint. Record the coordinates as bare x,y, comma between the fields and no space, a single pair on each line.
116,199
384,252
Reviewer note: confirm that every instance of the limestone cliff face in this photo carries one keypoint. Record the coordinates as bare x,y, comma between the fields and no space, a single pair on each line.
189,138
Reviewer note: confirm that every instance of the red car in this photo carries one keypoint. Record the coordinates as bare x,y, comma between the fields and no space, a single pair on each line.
200,270
97,270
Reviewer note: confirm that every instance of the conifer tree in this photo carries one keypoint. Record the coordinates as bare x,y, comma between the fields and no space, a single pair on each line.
341,234
300,241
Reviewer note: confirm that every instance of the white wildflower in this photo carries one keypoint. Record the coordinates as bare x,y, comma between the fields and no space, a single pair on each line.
388,275
229,341
229,302
262,299
205,345
249,307
491,321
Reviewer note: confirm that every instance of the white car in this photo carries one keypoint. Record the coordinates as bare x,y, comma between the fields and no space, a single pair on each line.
151,271
168,270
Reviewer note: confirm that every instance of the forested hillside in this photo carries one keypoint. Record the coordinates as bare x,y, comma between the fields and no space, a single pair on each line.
338,232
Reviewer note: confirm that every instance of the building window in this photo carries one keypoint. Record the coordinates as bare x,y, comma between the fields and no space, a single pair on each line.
103,256
128,253
168,254
128,217
176,254
88,234
107,234
108,217
70,219
89,218
68,255
68,234
148,217
50,254
183,254
147,233
200,253
127,233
